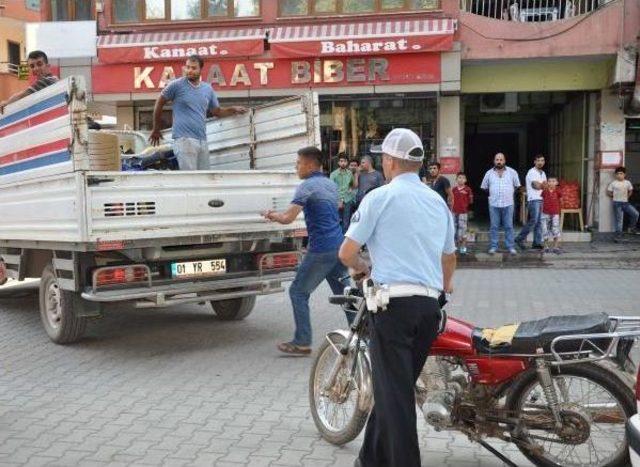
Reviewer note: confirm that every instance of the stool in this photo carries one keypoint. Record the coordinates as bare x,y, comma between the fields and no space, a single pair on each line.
571,211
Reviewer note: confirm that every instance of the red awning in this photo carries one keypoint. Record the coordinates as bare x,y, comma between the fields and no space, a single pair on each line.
153,46
379,37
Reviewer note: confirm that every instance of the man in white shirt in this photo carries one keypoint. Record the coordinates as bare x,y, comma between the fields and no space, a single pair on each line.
535,182
620,191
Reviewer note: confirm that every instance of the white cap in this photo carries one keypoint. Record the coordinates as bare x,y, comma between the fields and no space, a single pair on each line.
403,144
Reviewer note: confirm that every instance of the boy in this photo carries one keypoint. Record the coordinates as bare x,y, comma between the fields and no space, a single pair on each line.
620,190
462,198
551,198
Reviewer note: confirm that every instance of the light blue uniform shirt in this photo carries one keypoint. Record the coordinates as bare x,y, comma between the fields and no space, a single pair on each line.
407,227
190,106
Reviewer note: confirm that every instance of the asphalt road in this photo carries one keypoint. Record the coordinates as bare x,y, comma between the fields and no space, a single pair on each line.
178,387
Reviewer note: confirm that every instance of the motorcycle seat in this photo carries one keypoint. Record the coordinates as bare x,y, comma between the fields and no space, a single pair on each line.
529,336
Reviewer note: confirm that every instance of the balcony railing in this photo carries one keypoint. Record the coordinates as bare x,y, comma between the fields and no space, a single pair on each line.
9,68
526,11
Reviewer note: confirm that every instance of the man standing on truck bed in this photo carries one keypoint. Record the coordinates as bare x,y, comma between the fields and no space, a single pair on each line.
38,63
192,101
318,197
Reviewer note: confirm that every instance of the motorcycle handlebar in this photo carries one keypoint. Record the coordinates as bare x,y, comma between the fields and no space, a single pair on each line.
343,299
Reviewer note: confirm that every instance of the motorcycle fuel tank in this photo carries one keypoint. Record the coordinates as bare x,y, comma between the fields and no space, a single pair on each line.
456,340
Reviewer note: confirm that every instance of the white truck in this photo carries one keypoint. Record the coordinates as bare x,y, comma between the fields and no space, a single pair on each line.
154,239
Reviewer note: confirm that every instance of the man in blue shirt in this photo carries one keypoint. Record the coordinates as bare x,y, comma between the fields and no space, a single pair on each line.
192,101
317,196
409,232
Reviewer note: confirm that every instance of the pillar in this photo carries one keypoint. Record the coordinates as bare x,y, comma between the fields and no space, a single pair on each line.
610,136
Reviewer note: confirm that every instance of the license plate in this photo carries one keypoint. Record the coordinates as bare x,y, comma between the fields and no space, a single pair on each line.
206,267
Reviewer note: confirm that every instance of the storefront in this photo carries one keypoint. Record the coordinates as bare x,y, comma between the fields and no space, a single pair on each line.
370,76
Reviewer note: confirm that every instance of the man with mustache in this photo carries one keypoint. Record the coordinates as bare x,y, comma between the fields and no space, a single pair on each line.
501,182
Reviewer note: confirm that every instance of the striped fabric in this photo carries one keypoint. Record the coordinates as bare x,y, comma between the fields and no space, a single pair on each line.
35,132
42,83
344,31
178,37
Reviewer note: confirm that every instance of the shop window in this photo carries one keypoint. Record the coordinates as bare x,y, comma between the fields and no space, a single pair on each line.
126,11
293,8
154,9
218,8
317,7
353,126
325,6
358,6
393,4
246,8
145,119
71,10
32,5
13,53
185,9
130,11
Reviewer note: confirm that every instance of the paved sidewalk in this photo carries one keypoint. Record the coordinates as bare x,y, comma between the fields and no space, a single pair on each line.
177,387
592,255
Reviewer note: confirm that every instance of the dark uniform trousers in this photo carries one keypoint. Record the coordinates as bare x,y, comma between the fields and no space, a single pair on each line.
400,340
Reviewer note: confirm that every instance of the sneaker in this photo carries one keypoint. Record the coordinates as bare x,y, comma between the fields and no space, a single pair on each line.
513,251
492,251
547,250
557,251
463,250
521,244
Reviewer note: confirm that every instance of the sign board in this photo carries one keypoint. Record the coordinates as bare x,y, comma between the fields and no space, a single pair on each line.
62,39
449,165
273,74
610,159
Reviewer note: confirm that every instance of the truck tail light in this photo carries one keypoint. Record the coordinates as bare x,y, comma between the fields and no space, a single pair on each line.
115,275
285,260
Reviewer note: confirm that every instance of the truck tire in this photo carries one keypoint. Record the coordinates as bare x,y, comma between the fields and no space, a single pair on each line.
56,310
234,309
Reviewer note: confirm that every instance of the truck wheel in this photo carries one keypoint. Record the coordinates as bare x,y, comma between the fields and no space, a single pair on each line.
234,309
56,310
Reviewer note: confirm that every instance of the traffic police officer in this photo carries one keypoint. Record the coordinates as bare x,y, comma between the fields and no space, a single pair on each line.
409,232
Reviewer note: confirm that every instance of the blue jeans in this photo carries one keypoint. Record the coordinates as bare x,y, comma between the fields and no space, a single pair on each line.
619,209
533,223
501,217
315,268
345,215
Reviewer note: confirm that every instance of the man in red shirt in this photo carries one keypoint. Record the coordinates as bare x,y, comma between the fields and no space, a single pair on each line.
551,198
462,198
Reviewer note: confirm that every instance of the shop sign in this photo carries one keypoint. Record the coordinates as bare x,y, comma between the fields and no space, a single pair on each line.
449,165
168,51
273,74
367,46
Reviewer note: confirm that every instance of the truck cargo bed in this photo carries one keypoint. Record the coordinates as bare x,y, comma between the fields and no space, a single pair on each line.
98,207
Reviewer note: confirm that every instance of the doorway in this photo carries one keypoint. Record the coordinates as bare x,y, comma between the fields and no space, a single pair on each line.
13,53
480,151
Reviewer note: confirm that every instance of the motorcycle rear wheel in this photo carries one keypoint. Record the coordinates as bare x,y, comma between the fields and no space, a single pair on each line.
614,396
338,421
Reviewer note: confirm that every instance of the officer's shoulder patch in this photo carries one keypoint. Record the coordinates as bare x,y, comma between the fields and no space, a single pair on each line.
356,217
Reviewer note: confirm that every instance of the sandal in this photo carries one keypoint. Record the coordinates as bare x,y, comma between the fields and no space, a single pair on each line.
293,349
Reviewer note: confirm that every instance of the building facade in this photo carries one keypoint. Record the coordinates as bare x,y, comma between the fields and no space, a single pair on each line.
471,77
13,16
375,64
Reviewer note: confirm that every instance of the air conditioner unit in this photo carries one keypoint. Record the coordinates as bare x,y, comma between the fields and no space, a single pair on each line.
499,102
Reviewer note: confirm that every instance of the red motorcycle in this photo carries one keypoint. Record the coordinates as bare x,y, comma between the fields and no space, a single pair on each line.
559,388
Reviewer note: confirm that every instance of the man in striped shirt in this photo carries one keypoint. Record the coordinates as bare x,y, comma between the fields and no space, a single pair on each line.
38,63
